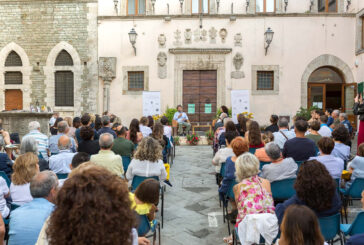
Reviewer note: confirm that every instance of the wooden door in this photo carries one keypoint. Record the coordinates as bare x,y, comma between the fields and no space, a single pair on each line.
316,95
13,99
199,95
349,91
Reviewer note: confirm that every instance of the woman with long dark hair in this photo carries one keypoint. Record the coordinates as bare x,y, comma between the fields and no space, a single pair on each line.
134,134
241,126
224,109
254,135
54,128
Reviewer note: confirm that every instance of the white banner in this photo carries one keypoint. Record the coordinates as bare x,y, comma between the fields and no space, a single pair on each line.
151,103
240,102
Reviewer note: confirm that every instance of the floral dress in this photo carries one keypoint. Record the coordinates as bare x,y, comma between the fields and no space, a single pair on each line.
253,199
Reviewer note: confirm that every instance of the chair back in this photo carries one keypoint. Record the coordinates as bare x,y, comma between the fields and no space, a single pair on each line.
357,227
139,179
252,150
299,163
230,192
14,206
262,164
222,169
356,188
283,189
3,174
62,176
126,162
330,226
337,181
174,123
144,225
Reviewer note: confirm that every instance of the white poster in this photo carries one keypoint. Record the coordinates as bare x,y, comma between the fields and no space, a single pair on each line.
151,103
240,102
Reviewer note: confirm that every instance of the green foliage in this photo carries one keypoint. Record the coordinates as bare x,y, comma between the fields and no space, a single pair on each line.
193,139
210,134
306,113
176,140
169,114
218,112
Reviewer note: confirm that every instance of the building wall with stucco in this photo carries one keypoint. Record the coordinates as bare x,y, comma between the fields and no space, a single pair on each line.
303,41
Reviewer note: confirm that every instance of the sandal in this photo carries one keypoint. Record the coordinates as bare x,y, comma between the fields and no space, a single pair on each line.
228,240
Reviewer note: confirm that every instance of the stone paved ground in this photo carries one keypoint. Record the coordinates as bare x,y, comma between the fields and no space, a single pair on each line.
192,212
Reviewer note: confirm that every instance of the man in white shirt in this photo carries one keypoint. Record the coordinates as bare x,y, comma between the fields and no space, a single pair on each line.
60,163
283,133
41,139
324,131
182,120
223,153
143,127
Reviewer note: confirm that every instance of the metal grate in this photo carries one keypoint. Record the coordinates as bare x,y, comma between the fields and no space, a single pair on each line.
64,59
13,59
265,80
13,77
136,80
64,88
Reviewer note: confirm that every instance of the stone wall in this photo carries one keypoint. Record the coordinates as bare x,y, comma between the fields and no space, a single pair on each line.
42,29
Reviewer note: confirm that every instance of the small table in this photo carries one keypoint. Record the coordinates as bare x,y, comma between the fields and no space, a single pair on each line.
200,126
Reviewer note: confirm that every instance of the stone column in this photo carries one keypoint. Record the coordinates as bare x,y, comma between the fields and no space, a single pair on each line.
107,72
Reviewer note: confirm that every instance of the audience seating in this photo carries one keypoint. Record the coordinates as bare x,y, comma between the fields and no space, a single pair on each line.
262,164
356,227
13,206
126,162
229,195
3,174
283,189
145,227
353,193
252,150
139,179
299,163
62,176
330,227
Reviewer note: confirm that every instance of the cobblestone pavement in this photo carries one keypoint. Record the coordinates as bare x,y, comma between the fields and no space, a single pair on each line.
192,212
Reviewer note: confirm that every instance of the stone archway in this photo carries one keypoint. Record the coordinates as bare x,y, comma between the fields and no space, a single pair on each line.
324,60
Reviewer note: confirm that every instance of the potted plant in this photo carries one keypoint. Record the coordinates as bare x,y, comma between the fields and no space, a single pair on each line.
210,136
169,114
193,139
176,140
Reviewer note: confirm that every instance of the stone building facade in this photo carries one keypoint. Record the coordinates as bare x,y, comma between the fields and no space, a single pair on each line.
315,57
40,32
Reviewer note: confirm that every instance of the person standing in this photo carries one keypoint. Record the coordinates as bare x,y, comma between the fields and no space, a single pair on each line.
359,110
182,120
274,124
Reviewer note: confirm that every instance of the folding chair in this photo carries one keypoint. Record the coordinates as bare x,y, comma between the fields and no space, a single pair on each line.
283,189
126,162
353,193
145,227
62,176
252,150
229,195
356,227
13,206
262,164
330,227
3,174
299,163
139,179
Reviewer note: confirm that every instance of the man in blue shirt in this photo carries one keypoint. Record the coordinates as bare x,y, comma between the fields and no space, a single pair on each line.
53,140
182,120
106,127
27,220
344,120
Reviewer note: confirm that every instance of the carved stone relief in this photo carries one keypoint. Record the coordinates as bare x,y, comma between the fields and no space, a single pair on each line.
238,40
177,37
107,68
162,41
238,61
188,36
212,34
162,65
196,34
223,34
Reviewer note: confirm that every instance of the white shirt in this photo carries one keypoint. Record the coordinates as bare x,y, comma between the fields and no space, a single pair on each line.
167,131
60,163
279,138
146,131
20,194
221,156
146,169
325,131
4,190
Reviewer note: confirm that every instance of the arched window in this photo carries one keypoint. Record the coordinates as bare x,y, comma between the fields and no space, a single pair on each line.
13,77
64,80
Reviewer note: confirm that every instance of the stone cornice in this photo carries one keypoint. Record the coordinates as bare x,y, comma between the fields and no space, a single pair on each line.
200,50
226,16
46,1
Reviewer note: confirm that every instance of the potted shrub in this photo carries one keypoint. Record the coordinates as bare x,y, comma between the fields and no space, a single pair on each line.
210,136
176,140
193,139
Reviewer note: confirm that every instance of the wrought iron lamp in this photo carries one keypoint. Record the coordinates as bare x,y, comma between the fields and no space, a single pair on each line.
311,5
268,35
348,2
285,5
217,5
132,38
153,4
247,5
181,3
116,2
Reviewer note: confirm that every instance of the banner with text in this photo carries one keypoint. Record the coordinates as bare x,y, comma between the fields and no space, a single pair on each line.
151,103
240,102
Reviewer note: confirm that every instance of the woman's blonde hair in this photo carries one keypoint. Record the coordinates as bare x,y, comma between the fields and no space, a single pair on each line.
149,149
25,168
246,165
69,121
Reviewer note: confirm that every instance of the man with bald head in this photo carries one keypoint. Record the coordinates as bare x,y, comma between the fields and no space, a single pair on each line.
27,220
60,163
63,129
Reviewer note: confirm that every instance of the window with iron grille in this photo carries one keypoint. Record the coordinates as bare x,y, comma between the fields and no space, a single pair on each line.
64,59
13,59
136,80
265,80
64,88
13,77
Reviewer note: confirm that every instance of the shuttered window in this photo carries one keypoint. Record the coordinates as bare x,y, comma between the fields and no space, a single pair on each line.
13,59
64,88
13,77
64,59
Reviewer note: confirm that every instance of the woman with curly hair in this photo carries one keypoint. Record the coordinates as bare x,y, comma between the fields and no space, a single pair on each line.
147,161
25,168
302,231
254,135
316,189
82,215
341,150
134,134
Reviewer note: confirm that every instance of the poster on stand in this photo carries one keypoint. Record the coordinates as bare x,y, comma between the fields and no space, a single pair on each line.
151,103
240,102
